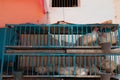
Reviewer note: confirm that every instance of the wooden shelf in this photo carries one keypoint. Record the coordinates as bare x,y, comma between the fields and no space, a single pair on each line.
72,76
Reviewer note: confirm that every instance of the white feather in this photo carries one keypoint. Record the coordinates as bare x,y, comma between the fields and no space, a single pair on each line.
66,70
81,71
41,70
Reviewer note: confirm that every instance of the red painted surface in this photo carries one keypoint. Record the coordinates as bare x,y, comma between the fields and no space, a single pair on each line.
20,11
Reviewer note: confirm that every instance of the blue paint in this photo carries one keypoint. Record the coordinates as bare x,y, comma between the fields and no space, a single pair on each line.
1,40
2,35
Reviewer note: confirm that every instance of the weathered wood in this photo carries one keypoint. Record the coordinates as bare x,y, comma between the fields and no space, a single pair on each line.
87,76
71,50
91,51
35,51
53,47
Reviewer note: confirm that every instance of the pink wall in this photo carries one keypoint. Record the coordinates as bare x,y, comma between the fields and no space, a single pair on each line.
20,11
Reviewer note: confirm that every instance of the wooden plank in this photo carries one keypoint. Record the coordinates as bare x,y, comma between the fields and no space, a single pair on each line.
91,51
53,47
72,76
32,51
56,47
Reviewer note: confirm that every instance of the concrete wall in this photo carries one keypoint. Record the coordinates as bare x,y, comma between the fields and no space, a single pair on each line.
117,11
89,11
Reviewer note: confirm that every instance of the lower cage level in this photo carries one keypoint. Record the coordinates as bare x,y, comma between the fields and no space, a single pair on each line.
59,66
54,79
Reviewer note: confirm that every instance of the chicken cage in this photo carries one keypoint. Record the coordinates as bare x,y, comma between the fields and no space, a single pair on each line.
61,36
60,51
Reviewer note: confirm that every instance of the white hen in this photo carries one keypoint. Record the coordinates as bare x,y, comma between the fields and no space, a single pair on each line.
81,72
41,70
88,38
66,70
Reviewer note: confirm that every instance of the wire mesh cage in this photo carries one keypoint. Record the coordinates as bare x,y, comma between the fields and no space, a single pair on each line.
49,50
61,35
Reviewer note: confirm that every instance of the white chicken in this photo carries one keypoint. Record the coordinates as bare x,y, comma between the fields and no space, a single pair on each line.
41,70
81,72
66,70
71,71
88,38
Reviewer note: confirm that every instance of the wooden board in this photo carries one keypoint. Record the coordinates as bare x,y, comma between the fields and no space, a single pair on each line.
69,50
91,51
87,76
53,47
35,51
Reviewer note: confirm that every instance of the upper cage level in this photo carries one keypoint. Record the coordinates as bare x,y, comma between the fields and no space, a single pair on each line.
61,36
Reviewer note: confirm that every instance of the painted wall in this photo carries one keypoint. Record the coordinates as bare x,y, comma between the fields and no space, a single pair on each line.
20,11
89,11
117,11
